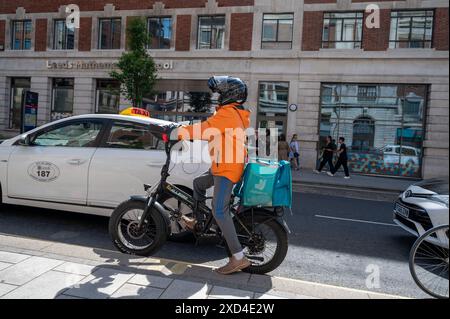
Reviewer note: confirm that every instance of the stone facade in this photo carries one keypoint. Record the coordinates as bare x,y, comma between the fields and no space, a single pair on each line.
305,67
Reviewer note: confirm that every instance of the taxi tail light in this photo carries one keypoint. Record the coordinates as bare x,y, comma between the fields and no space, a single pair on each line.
165,138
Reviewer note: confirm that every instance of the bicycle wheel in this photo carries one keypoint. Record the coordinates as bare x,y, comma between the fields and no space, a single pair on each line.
125,234
428,262
265,246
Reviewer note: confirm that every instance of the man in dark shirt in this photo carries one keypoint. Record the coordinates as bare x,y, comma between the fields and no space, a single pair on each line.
327,156
342,159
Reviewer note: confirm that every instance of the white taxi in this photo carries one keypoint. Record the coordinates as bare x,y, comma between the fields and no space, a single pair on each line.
89,163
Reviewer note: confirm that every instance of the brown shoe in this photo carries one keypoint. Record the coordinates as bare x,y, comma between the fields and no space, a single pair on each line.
234,266
189,222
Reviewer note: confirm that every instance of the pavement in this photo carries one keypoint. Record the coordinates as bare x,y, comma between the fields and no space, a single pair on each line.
38,269
358,186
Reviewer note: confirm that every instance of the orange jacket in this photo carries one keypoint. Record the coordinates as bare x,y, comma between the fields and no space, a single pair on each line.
227,149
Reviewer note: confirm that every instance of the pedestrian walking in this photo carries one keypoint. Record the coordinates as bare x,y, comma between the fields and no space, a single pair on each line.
283,148
342,159
327,156
294,152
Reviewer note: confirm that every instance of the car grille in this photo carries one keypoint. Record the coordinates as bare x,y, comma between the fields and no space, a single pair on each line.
406,222
418,215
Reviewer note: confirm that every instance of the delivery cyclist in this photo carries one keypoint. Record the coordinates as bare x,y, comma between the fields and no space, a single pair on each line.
226,170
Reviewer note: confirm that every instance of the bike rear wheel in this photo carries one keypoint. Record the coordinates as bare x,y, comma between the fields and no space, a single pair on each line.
125,234
264,242
428,262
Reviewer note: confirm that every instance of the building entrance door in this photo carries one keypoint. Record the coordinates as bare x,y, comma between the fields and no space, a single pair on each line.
18,86
268,122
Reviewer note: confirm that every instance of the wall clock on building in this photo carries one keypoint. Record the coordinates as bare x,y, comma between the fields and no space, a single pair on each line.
293,107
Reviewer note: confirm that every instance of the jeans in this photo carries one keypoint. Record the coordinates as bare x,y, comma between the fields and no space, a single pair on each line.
341,162
223,188
326,160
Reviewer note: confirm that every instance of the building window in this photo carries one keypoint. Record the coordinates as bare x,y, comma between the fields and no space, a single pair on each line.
62,93
277,31
63,37
107,97
21,35
211,32
363,134
273,97
383,125
342,30
160,31
109,33
132,136
18,86
367,93
411,29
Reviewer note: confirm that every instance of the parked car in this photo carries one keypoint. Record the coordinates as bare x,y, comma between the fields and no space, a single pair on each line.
91,163
395,154
423,206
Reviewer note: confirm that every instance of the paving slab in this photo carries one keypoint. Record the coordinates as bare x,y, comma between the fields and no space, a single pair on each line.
5,288
27,270
239,280
130,291
277,294
94,254
4,265
75,268
267,296
150,280
12,258
46,286
101,284
182,289
230,293
67,297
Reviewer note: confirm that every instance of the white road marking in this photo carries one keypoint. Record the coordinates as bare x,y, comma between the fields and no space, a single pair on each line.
356,220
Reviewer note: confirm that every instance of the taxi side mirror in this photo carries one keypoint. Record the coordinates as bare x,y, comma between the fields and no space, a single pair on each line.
25,140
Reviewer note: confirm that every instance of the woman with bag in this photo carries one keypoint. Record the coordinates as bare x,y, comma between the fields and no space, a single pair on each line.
283,149
294,154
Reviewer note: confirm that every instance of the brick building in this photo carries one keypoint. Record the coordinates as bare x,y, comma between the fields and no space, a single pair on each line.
314,67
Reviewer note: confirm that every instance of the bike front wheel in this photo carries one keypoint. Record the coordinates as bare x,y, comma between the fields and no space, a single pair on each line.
428,262
126,235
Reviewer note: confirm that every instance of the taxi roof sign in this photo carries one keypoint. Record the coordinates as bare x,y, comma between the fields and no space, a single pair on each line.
135,111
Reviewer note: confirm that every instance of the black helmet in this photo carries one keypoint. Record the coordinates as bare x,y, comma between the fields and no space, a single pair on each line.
231,90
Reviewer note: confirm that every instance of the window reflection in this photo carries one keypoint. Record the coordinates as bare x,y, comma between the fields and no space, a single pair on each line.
181,106
273,97
383,124
211,31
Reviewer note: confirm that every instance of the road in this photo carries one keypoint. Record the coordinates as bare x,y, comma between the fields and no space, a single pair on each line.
338,241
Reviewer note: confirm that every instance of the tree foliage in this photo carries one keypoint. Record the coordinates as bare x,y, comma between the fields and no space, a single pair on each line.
136,72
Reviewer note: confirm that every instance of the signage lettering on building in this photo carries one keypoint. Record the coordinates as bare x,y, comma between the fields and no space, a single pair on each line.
95,65
90,65
164,65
